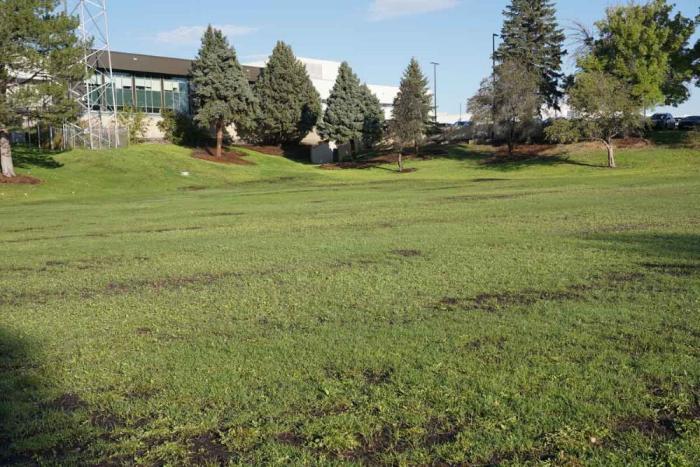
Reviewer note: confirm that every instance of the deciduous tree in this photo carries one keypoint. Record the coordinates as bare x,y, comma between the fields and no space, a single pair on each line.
222,95
604,108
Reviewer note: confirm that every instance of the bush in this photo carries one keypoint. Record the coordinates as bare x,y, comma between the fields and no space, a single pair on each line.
562,131
135,122
181,129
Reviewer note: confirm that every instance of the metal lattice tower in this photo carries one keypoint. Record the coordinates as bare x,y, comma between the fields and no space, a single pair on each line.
96,96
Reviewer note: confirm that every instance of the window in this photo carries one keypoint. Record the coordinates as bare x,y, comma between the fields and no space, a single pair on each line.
176,95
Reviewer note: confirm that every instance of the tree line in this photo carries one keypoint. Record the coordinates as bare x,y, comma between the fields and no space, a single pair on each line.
283,106
637,57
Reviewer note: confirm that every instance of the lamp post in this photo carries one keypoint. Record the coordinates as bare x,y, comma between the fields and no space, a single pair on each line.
493,86
435,65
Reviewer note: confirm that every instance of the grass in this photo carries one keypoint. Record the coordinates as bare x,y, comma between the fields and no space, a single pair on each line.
530,312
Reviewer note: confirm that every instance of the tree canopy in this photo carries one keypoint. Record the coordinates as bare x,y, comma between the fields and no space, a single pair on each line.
289,105
532,37
222,95
40,55
647,48
412,108
344,118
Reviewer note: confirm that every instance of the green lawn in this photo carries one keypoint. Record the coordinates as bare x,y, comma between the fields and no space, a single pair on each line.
545,311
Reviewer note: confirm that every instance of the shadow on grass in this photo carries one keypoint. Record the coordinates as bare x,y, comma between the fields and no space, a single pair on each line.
522,157
24,157
676,139
679,247
18,395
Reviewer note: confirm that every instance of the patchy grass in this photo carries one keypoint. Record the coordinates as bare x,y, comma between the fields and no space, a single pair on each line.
477,311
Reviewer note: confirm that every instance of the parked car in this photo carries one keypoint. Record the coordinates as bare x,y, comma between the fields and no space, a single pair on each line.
690,123
663,122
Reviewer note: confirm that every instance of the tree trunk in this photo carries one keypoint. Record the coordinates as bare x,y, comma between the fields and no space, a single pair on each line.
511,131
8,169
219,137
400,161
611,154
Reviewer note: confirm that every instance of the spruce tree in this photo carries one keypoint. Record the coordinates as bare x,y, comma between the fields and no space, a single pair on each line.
221,92
36,40
344,118
411,109
532,37
373,122
289,105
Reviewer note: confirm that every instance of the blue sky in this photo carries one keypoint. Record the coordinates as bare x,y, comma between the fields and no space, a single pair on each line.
377,37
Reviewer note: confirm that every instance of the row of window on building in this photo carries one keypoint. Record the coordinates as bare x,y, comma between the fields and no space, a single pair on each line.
149,94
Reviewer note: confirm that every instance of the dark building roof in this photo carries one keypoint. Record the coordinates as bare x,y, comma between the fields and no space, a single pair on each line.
139,63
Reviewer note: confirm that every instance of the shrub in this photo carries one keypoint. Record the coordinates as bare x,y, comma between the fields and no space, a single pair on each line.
181,129
135,122
562,131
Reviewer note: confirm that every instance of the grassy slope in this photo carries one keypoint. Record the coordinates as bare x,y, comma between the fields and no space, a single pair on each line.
281,313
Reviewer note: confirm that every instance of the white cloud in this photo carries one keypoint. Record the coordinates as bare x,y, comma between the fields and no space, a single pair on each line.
189,35
384,9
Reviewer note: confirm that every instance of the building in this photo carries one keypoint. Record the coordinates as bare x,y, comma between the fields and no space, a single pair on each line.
152,84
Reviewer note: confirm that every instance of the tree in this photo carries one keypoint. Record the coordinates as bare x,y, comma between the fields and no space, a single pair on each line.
373,121
511,102
646,48
531,36
412,108
36,42
134,121
289,105
221,92
344,118
605,108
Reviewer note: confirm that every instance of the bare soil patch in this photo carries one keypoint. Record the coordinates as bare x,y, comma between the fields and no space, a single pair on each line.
19,180
207,448
67,402
227,157
440,431
407,253
674,269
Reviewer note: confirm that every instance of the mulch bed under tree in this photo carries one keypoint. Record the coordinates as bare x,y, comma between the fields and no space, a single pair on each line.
227,157
19,180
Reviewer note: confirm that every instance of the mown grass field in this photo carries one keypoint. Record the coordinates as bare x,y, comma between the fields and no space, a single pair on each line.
532,312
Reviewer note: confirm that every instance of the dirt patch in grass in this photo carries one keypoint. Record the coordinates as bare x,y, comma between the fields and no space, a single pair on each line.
227,157
440,431
19,180
407,253
674,269
662,427
377,376
68,402
496,301
290,438
207,448
372,447
192,188
482,180
106,420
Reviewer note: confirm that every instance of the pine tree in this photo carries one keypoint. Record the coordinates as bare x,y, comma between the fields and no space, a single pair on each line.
222,95
344,118
289,105
373,124
531,36
36,40
411,108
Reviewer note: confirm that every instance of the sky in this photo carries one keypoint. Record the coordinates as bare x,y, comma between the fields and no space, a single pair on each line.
377,37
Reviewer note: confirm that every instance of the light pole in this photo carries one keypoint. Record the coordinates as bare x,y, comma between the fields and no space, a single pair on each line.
493,87
435,65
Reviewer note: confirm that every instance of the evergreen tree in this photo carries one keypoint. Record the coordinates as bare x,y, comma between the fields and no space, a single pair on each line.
36,41
647,49
373,124
344,118
532,37
222,95
412,108
289,105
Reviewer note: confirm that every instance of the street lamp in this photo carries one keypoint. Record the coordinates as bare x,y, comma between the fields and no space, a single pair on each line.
435,65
